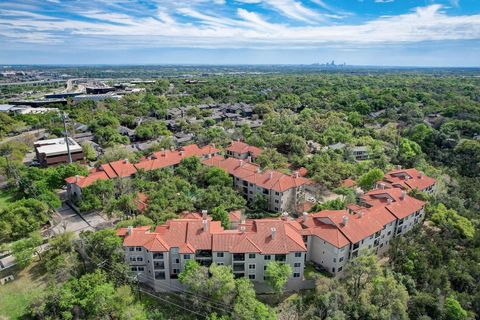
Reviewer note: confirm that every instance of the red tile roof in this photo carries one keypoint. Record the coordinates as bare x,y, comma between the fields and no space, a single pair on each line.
141,201
401,205
269,179
158,160
409,179
327,232
242,147
348,183
189,235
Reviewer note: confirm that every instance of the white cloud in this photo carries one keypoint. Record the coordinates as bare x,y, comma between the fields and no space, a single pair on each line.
247,29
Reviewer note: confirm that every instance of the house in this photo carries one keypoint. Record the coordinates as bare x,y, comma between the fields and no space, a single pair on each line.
241,150
55,151
124,169
360,153
408,179
282,191
156,258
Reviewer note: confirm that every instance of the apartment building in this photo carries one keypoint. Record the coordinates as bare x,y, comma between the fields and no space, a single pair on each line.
332,237
408,179
124,169
156,258
283,192
243,151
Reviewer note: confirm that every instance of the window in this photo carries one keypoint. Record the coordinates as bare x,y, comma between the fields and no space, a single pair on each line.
356,245
297,265
264,268
340,269
334,260
251,276
298,254
131,249
133,259
186,256
276,208
139,259
389,233
251,266
296,275
160,275
276,201
176,271
177,260
341,259
371,237
333,270
141,269
219,254
277,193
139,248
133,268
267,257
251,255
220,263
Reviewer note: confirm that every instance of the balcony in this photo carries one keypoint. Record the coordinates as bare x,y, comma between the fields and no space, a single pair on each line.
280,257
203,254
158,265
238,267
238,257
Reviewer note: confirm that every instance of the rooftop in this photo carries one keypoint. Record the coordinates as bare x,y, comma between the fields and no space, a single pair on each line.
57,146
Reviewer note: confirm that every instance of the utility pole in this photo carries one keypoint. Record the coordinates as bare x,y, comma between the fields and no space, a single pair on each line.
64,117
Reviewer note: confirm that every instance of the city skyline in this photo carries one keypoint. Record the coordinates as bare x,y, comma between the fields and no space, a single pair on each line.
357,32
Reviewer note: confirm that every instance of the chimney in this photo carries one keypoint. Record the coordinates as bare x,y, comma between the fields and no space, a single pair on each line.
249,159
259,170
205,225
420,175
241,163
284,215
125,160
204,214
274,232
305,216
389,201
381,185
345,220
129,230
295,174
77,178
399,167
242,229
182,152
213,145
270,175
360,214
402,196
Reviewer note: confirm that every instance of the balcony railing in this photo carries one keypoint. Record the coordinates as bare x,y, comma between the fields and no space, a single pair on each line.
238,267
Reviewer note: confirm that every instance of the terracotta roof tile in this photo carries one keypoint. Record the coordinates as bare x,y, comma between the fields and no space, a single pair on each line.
242,147
409,179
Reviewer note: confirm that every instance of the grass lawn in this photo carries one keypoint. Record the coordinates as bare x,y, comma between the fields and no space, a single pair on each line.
16,296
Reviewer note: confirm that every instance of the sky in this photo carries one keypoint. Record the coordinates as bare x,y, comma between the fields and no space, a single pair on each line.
356,32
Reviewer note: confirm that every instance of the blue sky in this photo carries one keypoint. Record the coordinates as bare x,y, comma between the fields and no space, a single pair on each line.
361,32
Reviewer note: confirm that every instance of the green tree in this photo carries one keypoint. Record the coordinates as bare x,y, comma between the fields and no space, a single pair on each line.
246,306
453,310
369,179
449,219
277,274
24,249
220,214
217,177
409,152
271,159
